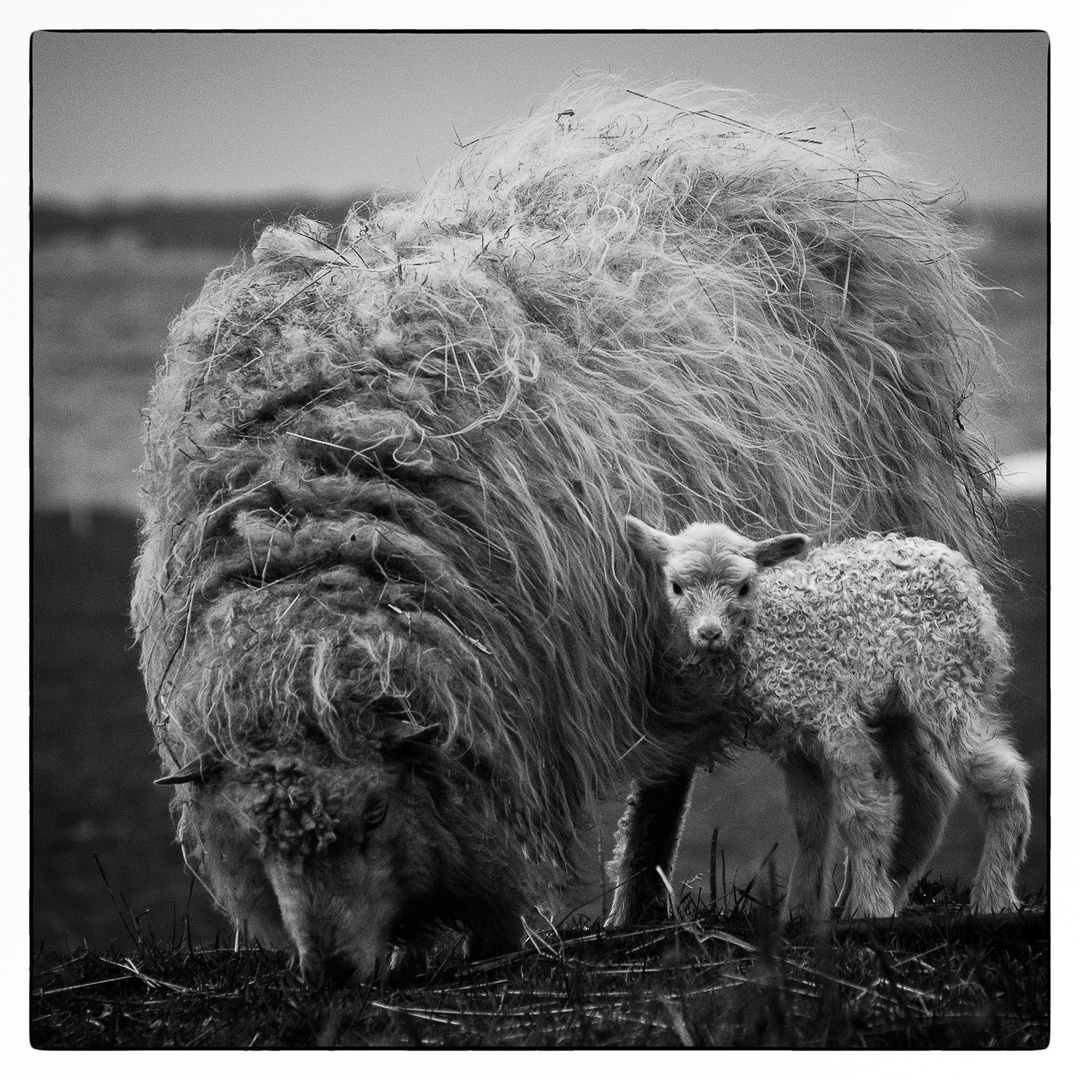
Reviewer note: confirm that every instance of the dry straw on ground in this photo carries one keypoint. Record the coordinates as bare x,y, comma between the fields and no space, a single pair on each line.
388,464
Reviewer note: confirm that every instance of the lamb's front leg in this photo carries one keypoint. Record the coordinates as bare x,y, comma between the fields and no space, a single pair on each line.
647,837
810,804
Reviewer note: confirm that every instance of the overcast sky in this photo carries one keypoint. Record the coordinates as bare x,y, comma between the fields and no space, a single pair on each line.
120,115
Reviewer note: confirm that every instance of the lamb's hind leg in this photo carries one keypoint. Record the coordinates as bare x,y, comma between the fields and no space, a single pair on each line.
647,837
926,789
927,793
998,776
810,804
865,817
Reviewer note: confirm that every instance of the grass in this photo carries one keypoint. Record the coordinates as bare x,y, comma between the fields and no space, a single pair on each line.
711,976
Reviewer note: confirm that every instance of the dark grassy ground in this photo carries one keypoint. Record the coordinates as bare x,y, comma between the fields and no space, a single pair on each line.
705,979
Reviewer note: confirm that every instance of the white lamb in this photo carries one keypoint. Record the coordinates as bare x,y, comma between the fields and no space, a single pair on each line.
870,671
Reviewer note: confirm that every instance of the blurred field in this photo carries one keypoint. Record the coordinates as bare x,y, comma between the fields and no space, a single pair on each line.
102,309
101,312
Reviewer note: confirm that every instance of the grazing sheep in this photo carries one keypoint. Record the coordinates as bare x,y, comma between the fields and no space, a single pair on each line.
871,673
382,591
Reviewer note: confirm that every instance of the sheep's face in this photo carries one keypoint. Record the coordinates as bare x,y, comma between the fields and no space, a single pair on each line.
343,847
341,905
710,578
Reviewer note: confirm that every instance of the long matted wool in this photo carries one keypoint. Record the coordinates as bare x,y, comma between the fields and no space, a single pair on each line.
388,465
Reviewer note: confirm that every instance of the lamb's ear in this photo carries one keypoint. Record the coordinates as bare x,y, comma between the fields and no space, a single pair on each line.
778,548
199,771
647,542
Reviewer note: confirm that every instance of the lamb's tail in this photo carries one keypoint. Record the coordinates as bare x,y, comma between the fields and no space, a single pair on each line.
998,778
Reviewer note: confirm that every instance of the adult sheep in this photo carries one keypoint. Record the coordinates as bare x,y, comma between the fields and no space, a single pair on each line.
382,591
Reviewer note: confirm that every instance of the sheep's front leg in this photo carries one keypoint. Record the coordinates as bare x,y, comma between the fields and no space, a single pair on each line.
647,837
810,803
845,887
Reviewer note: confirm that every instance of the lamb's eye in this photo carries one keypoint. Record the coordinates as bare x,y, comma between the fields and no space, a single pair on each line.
744,589
375,813
676,588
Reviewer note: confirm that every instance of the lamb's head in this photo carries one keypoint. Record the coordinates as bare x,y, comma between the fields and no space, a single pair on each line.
710,577
344,846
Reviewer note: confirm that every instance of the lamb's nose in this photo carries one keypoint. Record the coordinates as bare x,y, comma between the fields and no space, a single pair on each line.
710,634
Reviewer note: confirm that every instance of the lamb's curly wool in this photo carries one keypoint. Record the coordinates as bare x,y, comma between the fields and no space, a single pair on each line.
885,650
857,620
387,466
880,657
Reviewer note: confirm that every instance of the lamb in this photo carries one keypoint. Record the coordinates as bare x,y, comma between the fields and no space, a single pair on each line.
871,672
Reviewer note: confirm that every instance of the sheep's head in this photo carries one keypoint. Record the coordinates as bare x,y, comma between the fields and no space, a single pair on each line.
343,845
710,577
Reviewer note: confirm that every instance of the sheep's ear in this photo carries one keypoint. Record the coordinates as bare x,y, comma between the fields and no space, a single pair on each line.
415,735
203,768
647,542
410,742
778,548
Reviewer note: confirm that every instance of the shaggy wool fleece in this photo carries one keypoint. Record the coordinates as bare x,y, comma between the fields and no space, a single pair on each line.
387,465
844,629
